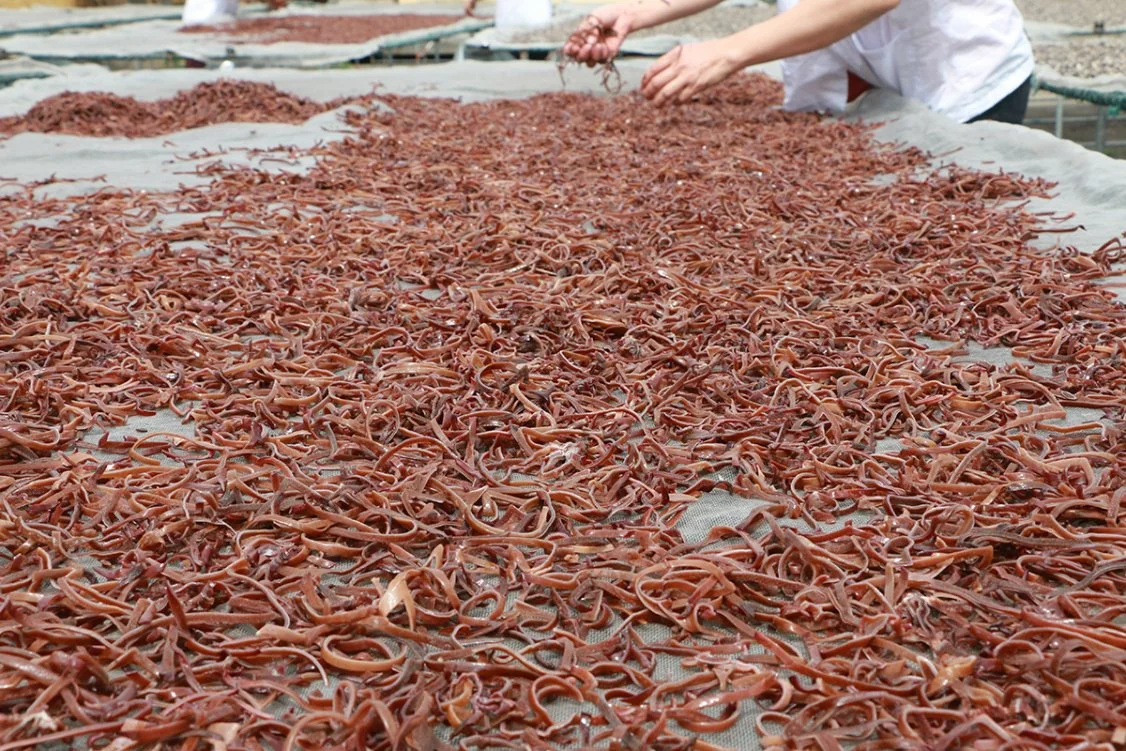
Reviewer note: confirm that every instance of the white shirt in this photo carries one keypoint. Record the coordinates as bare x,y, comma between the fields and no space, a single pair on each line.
958,57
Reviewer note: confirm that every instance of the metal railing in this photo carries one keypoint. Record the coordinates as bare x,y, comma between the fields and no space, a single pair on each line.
1108,105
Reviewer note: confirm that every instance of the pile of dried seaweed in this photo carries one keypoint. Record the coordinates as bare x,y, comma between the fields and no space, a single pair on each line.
223,101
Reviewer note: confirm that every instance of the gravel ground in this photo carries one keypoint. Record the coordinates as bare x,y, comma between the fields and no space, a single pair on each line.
1086,58
1080,13
710,24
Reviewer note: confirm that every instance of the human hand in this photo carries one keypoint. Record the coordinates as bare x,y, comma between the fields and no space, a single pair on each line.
470,6
687,70
600,36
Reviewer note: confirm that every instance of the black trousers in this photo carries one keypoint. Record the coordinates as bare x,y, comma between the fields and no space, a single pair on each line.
1012,108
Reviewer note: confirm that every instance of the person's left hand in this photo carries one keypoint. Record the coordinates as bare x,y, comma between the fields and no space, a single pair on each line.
687,70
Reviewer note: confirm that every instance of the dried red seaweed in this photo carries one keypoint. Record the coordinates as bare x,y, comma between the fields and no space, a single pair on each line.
455,396
319,29
223,101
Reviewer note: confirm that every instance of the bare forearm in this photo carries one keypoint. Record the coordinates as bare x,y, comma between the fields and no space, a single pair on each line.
808,26
648,13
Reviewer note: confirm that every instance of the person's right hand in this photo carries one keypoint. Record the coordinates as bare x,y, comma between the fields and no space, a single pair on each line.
588,45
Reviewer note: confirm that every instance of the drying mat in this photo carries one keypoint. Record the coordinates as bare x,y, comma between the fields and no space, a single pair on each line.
207,227
157,39
1105,83
45,19
14,69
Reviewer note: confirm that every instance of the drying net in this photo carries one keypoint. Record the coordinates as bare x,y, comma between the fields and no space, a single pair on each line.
561,423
